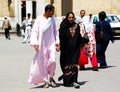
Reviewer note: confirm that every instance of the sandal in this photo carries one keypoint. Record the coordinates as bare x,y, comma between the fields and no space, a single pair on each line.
76,85
46,85
52,83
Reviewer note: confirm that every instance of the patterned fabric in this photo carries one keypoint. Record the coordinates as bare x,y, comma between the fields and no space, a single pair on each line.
69,71
89,48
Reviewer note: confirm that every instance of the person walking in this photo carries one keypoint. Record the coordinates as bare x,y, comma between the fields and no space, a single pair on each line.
70,40
45,40
102,44
87,27
81,18
28,28
23,27
7,27
90,47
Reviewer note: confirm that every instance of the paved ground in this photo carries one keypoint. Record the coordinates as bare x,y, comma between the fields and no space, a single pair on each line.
15,60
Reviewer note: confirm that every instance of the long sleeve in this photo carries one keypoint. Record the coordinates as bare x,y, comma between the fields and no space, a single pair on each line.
56,33
3,24
110,32
34,33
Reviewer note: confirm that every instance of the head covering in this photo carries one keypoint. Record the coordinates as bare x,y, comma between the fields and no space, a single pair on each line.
5,17
65,23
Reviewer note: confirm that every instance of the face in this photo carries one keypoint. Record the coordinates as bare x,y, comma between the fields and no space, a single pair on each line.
50,13
71,18
82,13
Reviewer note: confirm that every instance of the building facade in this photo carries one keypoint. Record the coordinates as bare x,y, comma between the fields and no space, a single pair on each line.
17,9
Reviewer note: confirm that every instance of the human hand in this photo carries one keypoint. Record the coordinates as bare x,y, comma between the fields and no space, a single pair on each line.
57,47
112,41
72,31
36,46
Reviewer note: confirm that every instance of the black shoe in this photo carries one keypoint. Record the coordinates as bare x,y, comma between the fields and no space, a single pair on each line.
53,83
76,85
82,69
102,66
23,42
95,68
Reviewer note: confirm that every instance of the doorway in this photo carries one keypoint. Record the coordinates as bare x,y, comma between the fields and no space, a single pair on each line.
23,9
34,9
66,6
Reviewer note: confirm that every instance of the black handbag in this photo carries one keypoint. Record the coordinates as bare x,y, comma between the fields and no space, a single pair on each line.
9,27
85,37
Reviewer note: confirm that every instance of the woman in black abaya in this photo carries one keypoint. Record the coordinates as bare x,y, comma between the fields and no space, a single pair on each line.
70,40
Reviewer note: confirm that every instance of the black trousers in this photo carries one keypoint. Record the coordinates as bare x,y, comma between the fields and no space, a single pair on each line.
100,51
7,33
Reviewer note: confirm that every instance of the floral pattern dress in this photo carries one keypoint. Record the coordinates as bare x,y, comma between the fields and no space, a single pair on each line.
90,47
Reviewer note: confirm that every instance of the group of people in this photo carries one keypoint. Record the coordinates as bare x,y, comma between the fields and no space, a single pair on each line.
87,27
26,28
46,40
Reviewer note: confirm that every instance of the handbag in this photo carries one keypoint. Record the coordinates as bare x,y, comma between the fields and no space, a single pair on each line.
83,59
99,37
9,27
85,37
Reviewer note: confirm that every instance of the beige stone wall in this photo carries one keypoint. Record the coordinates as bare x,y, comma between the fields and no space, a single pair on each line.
5,10
57,4
115,6
92,6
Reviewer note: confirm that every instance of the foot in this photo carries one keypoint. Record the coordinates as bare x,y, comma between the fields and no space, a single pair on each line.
46,85
76,85
82,69
23,42
9,38
52,82
103,66
95,68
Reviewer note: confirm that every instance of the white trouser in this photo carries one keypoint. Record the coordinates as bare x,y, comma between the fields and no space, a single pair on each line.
27,34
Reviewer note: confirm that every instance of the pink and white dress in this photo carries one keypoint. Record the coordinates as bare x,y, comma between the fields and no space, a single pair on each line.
44,34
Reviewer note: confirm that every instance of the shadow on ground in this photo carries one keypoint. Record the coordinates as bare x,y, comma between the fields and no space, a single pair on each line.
117,37
90,68
58,85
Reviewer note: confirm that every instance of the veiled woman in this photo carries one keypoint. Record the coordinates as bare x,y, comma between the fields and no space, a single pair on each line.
70,40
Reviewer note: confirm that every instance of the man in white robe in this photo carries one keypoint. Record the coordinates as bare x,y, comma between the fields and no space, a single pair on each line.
45,40
28,29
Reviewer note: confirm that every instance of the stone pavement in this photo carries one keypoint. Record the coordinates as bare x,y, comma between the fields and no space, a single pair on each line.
15,60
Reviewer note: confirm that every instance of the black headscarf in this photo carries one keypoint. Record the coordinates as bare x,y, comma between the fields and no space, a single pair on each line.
65,23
